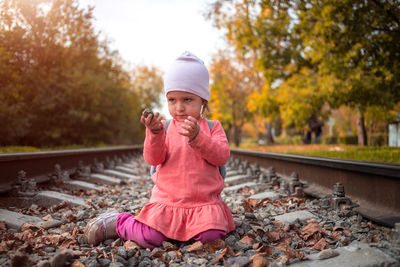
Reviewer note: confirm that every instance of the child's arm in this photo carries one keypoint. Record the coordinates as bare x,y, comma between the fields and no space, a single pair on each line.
154,149
214,148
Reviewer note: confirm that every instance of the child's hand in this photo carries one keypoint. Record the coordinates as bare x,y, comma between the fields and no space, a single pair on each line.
190,128
152,121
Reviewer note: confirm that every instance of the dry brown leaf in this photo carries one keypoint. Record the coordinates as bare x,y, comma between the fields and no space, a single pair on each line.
312,228
278,223
260,261
247,240
256,246
47,218
347,233
293,254
131,245
321,244
283,246
244,191
252,202
3,226
336,236
20,260
157,254
179,254
3,247
375,239
220,256
74,232
247,207
265,250
201,254
338,228
274,236
214,246
195,246
28,227
77,264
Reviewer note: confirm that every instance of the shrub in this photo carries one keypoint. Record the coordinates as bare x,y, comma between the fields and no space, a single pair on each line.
329,140
378,139
348,140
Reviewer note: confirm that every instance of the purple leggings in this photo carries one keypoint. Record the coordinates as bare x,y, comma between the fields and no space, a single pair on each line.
130,229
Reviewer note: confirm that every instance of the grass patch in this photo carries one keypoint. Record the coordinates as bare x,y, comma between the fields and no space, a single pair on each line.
370,154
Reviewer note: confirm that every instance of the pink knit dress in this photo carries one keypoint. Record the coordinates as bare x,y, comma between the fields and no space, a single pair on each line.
186,198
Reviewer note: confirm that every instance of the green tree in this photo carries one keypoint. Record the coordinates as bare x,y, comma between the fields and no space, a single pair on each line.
358,43
339,52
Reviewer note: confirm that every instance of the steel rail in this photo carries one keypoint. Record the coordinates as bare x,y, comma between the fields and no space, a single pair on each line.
39,165
375,187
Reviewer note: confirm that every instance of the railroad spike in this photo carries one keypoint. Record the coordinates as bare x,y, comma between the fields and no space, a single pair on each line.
339,198
294,183
117,160
97,167
257,169
262,178
284,188
396,235
109,164
82,170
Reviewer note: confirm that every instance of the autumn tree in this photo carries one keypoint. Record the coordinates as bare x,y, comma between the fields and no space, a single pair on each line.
231,86
59,83
314,52
356,43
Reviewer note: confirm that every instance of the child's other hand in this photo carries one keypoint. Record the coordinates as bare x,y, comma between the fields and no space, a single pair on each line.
190,128
152,122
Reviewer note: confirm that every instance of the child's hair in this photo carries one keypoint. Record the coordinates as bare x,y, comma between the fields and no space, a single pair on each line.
188,74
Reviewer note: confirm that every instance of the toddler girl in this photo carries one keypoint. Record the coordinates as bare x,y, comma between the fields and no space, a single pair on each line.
185,201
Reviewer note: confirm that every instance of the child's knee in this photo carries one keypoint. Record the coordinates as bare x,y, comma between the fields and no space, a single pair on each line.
210,235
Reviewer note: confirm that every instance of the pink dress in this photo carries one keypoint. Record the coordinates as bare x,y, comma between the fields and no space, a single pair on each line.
186,198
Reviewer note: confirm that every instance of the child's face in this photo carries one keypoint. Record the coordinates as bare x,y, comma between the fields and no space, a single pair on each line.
184,104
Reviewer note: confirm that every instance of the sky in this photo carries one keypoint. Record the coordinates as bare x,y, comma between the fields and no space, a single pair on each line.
155,32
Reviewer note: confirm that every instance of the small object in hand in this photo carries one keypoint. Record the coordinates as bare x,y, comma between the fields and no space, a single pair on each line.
147,112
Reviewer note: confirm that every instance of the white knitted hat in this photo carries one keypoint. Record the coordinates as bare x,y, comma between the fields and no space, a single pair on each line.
189,74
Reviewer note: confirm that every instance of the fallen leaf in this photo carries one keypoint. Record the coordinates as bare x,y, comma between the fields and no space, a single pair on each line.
215,245
3,226
336,236
77,263
265,250
131,245
260,261
247,240
195,246
3,247
321,244
347,233
179,254
157,254
201,254
278,223
47,218
312,228
247,207
274,236
338,228
20,260
293,254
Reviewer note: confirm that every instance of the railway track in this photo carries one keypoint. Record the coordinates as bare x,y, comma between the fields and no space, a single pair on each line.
285,213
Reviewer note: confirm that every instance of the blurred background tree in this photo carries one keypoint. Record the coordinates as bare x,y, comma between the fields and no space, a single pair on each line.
60,84
317,56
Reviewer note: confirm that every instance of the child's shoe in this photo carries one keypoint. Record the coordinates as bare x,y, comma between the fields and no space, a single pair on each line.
101,228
